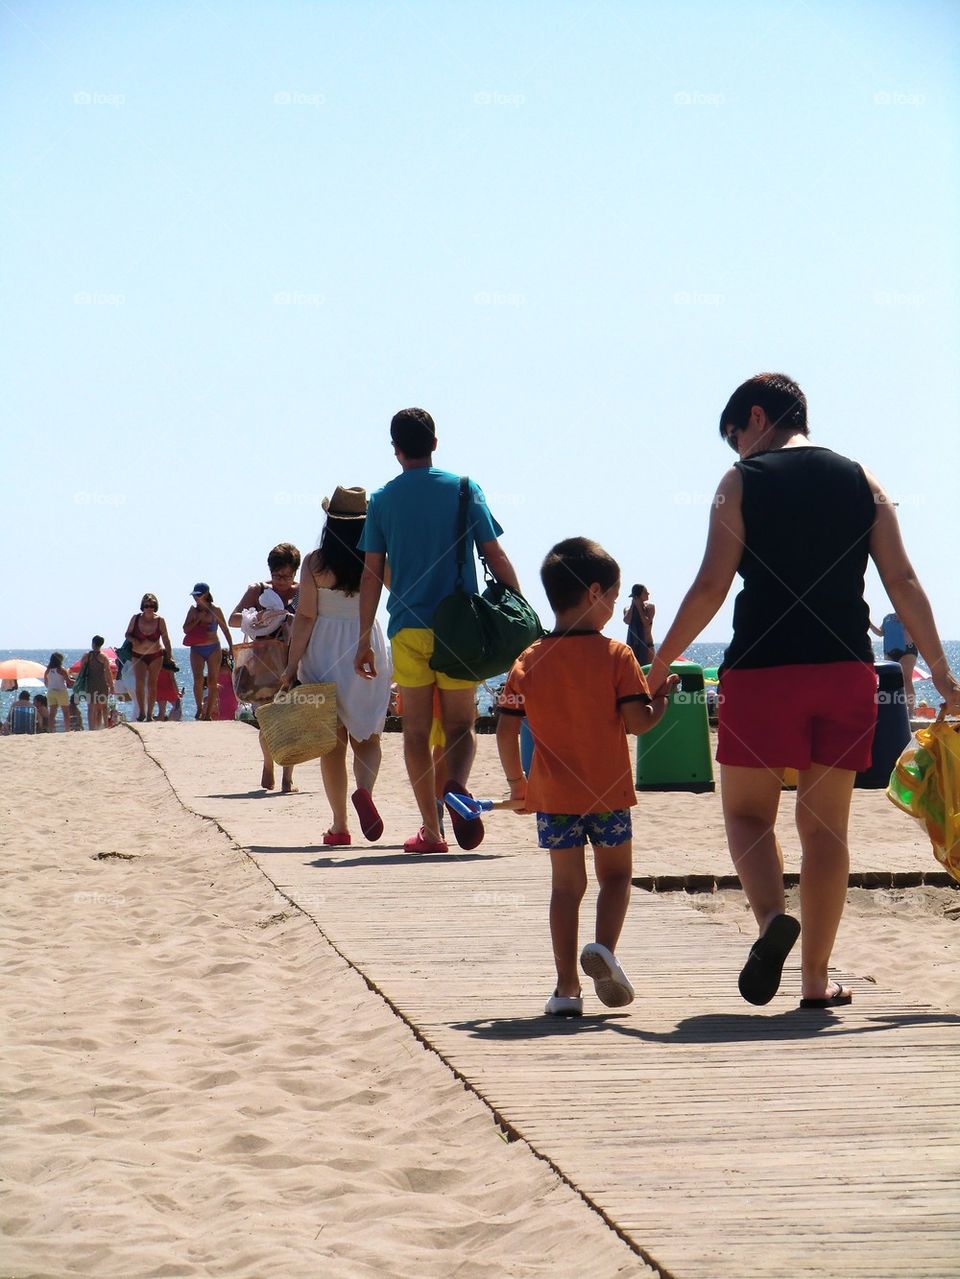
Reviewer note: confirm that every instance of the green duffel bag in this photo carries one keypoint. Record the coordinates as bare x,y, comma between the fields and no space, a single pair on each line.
478,636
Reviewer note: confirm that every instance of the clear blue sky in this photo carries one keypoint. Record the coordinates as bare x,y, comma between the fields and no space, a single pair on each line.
237,237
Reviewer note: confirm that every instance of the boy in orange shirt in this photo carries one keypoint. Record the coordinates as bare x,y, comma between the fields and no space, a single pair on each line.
581,694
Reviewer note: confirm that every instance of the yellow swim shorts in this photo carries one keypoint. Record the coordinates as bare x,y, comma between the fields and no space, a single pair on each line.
57,697
412,649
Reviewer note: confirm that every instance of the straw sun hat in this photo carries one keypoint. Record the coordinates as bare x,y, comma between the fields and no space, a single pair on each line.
346,504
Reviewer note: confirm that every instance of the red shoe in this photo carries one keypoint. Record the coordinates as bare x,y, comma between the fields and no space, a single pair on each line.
420,844
337,839
371,823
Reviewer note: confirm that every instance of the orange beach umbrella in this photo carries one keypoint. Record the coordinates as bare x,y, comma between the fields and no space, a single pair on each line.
21,668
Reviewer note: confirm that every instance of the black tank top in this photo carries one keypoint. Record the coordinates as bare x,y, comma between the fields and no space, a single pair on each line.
808,514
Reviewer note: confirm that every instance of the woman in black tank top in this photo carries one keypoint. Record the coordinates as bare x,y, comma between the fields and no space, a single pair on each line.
797,684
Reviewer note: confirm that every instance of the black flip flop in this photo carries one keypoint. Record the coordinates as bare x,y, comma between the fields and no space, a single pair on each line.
468,832
760,978
843,996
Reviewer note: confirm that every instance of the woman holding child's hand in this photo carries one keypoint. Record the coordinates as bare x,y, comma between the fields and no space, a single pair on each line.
797,684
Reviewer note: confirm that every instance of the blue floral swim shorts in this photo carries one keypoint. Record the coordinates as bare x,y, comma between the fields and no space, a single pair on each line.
567,830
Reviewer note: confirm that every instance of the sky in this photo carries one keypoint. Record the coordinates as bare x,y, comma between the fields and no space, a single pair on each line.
237,237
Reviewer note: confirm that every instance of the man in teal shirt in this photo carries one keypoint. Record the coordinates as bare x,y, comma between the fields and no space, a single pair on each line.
412,522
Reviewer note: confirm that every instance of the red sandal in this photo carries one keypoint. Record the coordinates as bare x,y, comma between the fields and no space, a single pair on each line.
337,839
420,844
371,823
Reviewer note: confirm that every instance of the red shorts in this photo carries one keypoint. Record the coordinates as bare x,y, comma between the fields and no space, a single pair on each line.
795,716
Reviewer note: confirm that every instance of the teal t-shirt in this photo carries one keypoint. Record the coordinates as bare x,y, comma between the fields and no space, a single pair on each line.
413,521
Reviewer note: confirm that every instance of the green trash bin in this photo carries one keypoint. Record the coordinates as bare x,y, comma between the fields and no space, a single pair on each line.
676,754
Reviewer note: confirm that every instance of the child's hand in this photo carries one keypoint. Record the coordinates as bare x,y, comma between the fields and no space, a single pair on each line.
518,792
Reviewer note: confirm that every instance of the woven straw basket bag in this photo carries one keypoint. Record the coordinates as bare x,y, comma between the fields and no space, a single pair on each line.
301,724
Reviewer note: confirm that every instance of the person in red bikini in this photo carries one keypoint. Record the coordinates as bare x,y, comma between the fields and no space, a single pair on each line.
147,633
797,685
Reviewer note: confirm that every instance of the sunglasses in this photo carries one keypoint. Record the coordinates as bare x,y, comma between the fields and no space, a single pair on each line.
731,437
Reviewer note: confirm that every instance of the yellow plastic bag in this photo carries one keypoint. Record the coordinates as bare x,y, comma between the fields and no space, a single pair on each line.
925,783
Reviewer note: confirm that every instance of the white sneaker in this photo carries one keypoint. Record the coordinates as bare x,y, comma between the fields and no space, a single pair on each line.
609,980
564,1006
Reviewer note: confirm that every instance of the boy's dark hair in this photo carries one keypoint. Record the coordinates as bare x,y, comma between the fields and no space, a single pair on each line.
414,433
779,397
23,695
283,555
338,553
97,641
571,567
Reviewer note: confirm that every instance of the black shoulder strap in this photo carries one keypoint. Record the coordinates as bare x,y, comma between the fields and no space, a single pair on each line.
461,542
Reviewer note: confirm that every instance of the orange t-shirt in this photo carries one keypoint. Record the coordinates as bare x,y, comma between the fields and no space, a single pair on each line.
571,688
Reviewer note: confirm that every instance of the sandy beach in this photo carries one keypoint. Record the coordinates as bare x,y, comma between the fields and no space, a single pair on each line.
199,1083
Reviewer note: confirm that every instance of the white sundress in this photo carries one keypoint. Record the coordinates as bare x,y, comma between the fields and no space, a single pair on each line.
361,703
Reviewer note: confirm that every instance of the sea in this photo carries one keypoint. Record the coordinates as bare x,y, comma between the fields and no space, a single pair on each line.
704,654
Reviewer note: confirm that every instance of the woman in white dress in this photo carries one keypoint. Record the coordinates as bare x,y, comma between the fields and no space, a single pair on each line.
324,639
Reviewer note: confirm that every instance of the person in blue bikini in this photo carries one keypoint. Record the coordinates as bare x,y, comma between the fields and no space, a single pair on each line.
200,627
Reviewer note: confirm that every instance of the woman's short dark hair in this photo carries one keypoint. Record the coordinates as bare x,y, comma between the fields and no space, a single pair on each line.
149,601
414,433
338,553
571,568
283,555
779,397
97,641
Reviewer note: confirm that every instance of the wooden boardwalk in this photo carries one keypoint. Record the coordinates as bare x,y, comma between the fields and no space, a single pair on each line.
721,1141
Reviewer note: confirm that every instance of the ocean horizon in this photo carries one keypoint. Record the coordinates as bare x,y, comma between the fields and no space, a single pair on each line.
706,654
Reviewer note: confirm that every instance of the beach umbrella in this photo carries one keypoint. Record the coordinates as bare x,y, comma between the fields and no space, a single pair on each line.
21,668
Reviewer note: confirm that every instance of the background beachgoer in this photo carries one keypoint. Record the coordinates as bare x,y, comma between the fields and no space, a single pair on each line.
43,712
98,679
147,633
899,647
22,717
200,627
639,615
797,684
168,692
324,640
283,563
57,680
